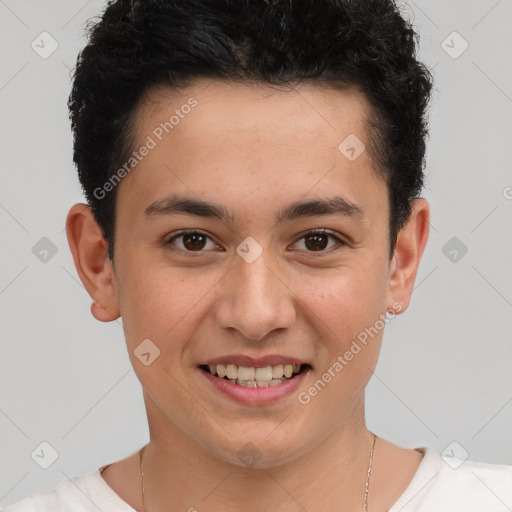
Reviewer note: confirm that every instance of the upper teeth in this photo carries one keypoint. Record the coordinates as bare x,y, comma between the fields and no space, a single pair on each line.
232,371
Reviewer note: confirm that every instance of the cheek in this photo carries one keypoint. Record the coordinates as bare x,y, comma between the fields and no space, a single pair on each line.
349,311
148,300
164,304
346,301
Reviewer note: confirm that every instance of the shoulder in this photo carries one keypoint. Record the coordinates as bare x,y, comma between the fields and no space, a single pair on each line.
72,493
475,485
450,484
456,471
41,502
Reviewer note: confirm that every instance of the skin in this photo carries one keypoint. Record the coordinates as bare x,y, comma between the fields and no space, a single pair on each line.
253,150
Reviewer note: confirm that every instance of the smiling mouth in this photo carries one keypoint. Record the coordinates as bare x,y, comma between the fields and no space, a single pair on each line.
253,377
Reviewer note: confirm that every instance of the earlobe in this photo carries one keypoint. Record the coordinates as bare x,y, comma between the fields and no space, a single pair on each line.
90,255
409,248
102,314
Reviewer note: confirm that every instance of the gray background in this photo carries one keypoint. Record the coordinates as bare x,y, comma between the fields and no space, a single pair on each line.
444,377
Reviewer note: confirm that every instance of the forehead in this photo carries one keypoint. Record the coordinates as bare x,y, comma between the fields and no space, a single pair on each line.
229,106
223,138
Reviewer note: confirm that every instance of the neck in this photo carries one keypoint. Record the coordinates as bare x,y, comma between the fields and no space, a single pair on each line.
331,475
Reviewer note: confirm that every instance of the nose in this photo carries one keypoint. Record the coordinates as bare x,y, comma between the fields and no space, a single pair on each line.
255,299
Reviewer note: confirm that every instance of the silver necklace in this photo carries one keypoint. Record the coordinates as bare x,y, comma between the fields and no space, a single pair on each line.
366,489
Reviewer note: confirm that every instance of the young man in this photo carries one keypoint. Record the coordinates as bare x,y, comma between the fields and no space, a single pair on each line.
253,172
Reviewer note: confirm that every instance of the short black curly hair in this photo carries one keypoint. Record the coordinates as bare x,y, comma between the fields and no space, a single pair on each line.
366,45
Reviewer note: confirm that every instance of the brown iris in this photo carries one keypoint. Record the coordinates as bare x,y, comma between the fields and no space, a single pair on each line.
194,241
316,241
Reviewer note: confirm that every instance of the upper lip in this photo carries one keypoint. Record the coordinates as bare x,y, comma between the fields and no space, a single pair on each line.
256,362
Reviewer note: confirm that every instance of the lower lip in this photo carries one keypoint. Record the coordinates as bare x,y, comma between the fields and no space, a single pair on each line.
256,396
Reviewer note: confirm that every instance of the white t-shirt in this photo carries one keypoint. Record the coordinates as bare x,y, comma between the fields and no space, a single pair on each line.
436,487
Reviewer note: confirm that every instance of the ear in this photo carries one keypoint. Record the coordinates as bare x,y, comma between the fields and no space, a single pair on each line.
409,248
90,254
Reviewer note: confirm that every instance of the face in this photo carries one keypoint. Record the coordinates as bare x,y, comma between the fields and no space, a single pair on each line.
250,278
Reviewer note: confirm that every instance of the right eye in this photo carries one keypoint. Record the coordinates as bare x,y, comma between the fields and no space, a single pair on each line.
191,241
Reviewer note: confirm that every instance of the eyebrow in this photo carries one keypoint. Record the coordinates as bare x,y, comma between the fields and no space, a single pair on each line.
175,205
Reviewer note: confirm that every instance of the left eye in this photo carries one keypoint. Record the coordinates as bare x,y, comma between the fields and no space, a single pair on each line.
196,241
317,240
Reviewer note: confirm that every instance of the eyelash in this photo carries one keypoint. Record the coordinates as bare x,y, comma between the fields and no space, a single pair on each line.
308,233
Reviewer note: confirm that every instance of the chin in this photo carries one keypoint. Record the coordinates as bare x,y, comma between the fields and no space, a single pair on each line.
264,448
